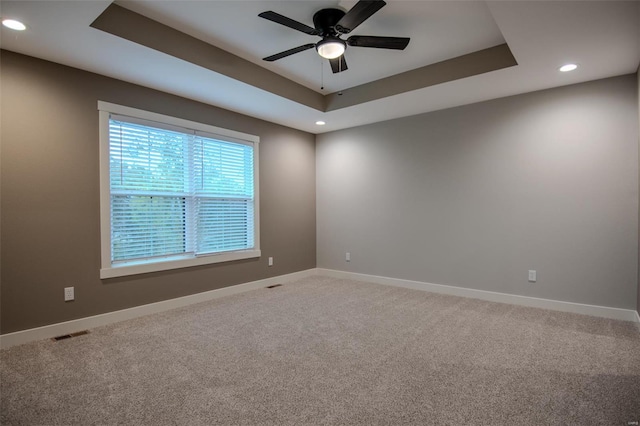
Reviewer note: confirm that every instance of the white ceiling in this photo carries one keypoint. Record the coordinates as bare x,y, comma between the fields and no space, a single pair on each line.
603,37
466,27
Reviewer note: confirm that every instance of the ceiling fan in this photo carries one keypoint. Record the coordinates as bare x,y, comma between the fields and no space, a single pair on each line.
330,24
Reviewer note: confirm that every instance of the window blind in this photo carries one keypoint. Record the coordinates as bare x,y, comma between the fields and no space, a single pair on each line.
177,191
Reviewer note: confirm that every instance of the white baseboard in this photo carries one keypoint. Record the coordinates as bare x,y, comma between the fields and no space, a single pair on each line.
62,328
53,330
556,305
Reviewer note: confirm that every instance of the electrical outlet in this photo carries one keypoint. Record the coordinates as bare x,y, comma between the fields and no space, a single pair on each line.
271,261
69,294
348,257
532,276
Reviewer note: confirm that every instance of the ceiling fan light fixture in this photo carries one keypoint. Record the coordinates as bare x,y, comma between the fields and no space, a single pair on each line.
331,48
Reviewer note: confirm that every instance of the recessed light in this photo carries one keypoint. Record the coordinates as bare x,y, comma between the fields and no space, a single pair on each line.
320,123
568,67
14,25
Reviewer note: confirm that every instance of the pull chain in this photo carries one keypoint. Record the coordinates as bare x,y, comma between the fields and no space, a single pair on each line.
321,76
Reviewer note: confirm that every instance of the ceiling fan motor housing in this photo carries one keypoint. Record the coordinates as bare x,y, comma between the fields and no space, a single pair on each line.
325,21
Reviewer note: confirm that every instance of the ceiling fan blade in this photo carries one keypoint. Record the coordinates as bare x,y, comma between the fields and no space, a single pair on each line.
358,14
398,43
288,22
289,52
338,64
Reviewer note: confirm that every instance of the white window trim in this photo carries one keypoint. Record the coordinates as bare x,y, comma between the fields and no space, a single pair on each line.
109,270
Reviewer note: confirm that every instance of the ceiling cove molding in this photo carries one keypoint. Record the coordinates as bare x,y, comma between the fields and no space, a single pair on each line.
476,63
137,28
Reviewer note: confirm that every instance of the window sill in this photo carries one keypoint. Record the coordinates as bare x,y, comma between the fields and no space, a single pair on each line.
122,270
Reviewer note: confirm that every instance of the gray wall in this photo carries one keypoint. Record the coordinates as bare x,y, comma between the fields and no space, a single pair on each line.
477,195
638,98
50,200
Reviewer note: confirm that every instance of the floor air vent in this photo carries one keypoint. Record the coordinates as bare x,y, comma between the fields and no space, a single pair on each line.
68,336
274,286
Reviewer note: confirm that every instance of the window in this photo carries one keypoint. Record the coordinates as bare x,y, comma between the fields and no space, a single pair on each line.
174,193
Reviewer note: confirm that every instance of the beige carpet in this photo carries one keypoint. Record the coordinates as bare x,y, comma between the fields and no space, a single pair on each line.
328,351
